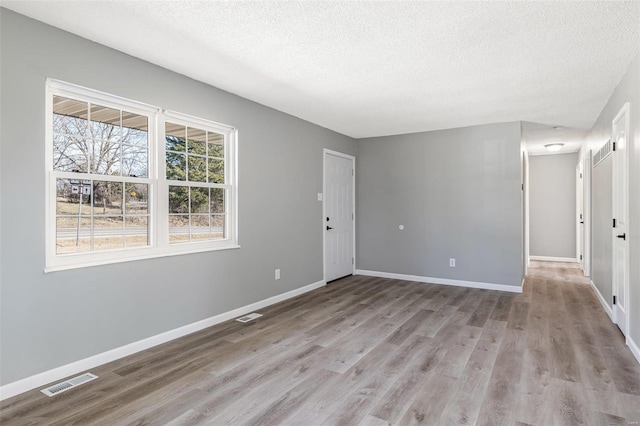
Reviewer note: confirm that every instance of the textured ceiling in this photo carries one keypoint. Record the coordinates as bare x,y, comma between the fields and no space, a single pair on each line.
379,68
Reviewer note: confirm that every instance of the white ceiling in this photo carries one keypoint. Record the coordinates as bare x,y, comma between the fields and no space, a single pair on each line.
366,68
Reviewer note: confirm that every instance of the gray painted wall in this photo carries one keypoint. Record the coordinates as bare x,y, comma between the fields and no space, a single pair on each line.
457,192
601,214
628,90
101,308
552,208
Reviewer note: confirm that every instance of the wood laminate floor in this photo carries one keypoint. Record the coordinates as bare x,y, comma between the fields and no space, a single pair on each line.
372,351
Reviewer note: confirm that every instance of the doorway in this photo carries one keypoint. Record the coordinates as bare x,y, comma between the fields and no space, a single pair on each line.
338,222
580,215
620,244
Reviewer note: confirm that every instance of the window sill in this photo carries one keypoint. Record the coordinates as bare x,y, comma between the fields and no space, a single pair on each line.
141,254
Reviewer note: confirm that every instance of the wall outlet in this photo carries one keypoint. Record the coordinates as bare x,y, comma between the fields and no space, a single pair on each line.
277,274
452,263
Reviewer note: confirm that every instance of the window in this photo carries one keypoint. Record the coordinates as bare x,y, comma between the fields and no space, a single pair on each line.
195,169
129,181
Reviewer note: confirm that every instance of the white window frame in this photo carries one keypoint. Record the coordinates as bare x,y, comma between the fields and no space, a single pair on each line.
158,203
230,185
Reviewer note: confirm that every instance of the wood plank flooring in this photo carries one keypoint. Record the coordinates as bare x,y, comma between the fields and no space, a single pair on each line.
373,351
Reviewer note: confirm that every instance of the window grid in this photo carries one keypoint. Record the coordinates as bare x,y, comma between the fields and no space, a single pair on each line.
197,142
96,138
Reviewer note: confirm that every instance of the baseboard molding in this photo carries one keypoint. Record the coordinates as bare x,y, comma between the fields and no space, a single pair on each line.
629,341
603,302
553,259
58,373
443,281
634,349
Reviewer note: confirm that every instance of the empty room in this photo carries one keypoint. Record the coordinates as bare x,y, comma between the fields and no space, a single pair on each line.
319,212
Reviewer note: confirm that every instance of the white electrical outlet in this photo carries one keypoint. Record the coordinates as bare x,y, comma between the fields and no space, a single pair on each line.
277,274
319,196
452,263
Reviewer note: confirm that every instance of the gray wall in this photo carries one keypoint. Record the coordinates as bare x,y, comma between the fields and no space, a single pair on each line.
601,214
48,320
552,197
627,91
457,192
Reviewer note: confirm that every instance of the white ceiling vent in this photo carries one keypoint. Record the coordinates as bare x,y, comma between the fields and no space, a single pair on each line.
248,318
68,384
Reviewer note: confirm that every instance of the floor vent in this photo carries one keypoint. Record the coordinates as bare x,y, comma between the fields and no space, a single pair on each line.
245,319
68,384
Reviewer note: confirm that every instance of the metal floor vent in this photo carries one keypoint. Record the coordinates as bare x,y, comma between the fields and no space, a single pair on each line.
68,384
248,318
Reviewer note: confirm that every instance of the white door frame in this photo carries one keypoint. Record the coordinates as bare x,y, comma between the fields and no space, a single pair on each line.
580,214
525,200
625,185
326,152
586,213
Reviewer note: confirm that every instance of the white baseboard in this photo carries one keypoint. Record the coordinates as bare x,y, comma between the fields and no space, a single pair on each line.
443,281
634,349
603,302
41,379
553,259
629,341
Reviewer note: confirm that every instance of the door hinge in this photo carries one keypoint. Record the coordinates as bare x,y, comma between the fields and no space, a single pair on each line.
614,223
580,257
614,146
580,175
614,300
523,186
352,216
353,261
353,172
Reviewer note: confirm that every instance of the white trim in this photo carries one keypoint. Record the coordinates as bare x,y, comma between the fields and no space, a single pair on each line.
125,255
553,259
325,152
586,213
443,281
580,214
40,379
547,152
603,302
634,349
628,340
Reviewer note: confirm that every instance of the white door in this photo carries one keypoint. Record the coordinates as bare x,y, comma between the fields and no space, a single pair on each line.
339,215
621,219
579,216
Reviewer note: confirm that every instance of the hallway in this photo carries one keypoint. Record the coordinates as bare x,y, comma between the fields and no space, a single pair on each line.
577,368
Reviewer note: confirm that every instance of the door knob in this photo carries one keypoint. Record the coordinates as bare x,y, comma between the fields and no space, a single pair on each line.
623,236
328,227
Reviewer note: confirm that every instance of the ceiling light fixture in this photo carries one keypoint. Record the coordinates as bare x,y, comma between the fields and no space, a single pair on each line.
553,147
